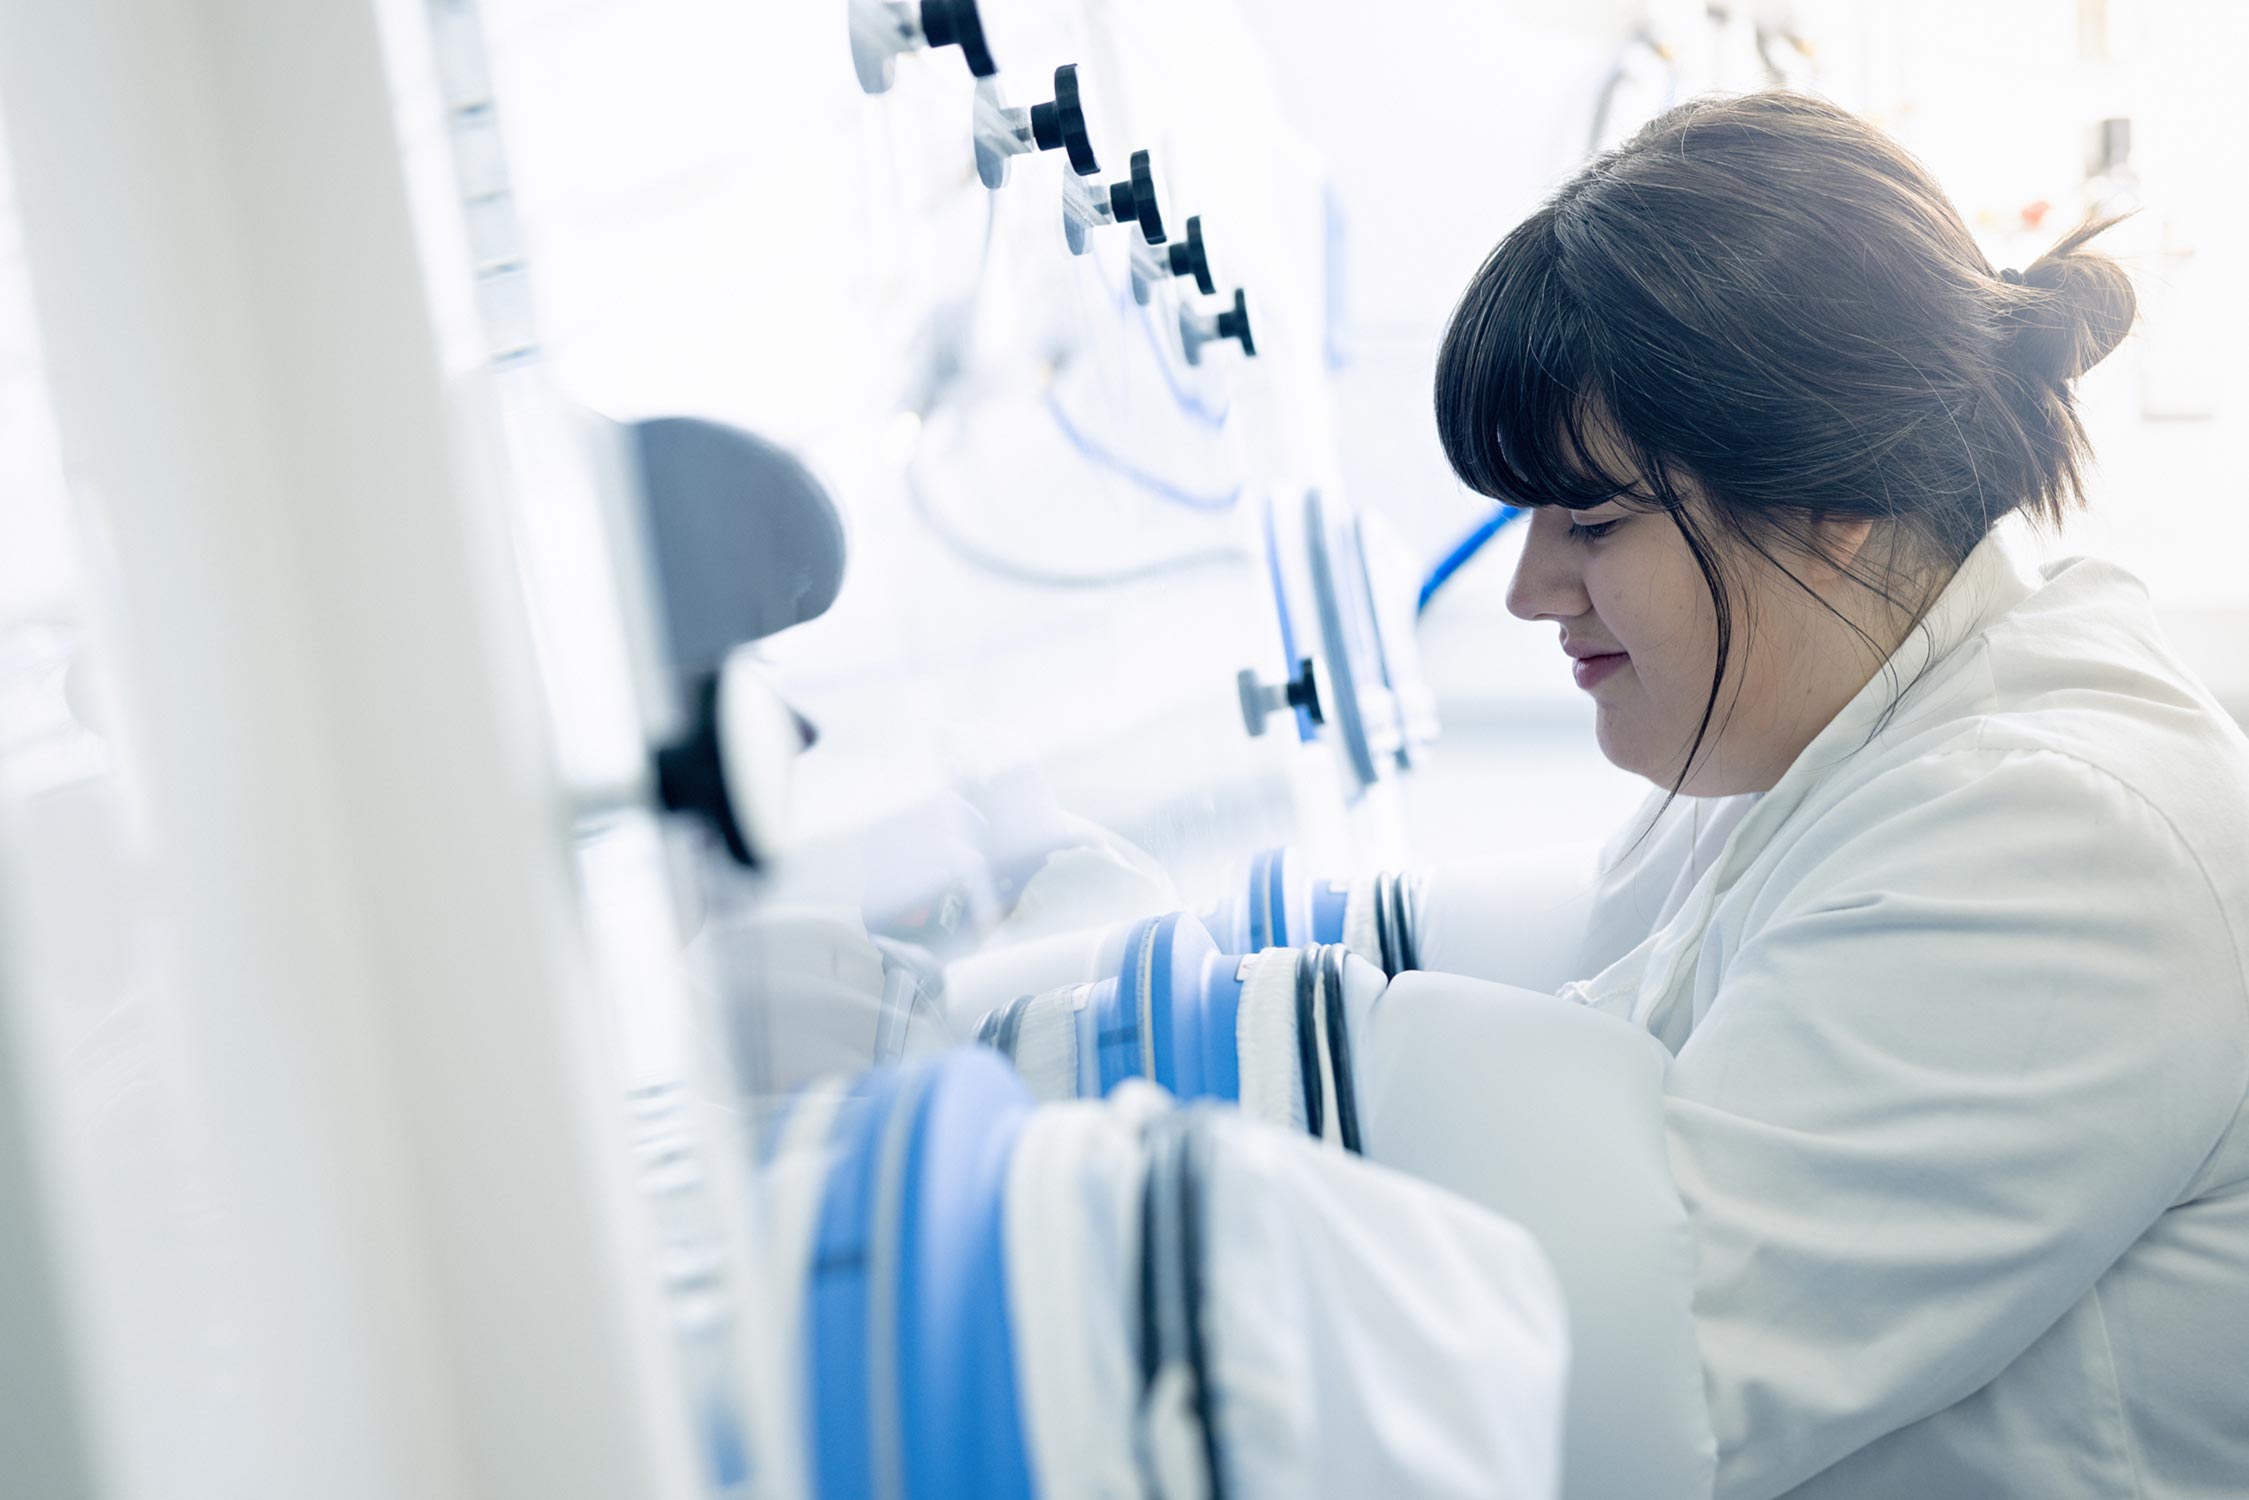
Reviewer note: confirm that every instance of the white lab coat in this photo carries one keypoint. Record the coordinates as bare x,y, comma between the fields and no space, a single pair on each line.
1961,1032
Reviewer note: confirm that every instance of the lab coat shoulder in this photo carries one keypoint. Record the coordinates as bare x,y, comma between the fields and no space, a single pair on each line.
1987,1023
2076,763
2082,669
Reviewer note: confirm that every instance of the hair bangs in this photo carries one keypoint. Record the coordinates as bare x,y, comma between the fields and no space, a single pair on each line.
1516,393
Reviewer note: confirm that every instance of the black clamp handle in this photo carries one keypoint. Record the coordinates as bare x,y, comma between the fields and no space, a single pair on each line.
1189,257
691,777
1133,200
1002,133
1197,328
882,29
1059,124
1260,701
956,23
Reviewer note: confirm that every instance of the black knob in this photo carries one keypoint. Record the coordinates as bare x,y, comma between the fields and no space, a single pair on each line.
1060,125
1260,701
691,777
1134,199
955,23
1234,324
1188,257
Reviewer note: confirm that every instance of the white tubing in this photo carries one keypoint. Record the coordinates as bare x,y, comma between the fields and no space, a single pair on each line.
1520,920
1272,1082
1072,1232
1359,934
1366,1336
982,982
786,1198
1046,1046
1553,1115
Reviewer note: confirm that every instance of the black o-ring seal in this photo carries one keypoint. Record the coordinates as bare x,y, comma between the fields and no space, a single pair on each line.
1384,947
1339,1049
1191,1288
1308,1044
1409,954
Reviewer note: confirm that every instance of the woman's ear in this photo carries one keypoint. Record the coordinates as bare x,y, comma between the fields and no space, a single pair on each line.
1837,542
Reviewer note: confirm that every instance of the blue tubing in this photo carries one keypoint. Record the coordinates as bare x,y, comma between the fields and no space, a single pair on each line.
1467,547
1328,903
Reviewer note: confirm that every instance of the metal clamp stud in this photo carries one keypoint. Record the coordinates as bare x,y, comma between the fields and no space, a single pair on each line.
1197,327
1059,124
1129,201
1187,256
883,29
1260,700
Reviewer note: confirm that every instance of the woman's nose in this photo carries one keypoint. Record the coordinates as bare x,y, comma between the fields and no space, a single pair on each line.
1548,583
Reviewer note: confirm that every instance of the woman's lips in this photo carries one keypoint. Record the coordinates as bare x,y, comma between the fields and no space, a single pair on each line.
1591,671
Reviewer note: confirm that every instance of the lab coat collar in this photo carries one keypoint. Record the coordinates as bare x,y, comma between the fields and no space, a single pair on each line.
1650,984
1993,579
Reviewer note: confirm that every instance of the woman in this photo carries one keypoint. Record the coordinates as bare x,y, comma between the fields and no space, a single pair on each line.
1942,903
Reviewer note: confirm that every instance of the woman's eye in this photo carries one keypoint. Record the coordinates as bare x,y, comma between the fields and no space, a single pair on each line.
1594,531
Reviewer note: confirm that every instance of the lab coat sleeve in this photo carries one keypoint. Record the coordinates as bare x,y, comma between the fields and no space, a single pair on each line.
1991,1026
1520,919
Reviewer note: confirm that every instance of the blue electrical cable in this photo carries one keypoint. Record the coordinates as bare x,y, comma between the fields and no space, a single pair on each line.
1163,489
1209,416
1468,547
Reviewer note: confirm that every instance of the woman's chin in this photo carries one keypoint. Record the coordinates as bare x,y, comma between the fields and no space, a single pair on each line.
1626,751
1616,745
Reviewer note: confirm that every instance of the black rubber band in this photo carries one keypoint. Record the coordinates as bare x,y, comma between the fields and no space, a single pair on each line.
1151,1333
1400,938
1308,1045
1339,1049
1382,924
1409,951
1191,1285
1174,1182
998,1030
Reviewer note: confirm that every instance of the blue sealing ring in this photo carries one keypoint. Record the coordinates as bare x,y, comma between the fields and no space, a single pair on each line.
1178,1069
1260,917
835,1295
1276,898
1200,1004
1117,1031
958,1400
947,1374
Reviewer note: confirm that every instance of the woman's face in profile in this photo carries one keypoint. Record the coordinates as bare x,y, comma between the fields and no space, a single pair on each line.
1637,626
1638,623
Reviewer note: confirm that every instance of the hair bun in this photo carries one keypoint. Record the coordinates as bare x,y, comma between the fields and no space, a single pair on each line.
2080,306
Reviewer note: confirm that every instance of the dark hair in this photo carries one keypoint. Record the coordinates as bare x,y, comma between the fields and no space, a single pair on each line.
1768,297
